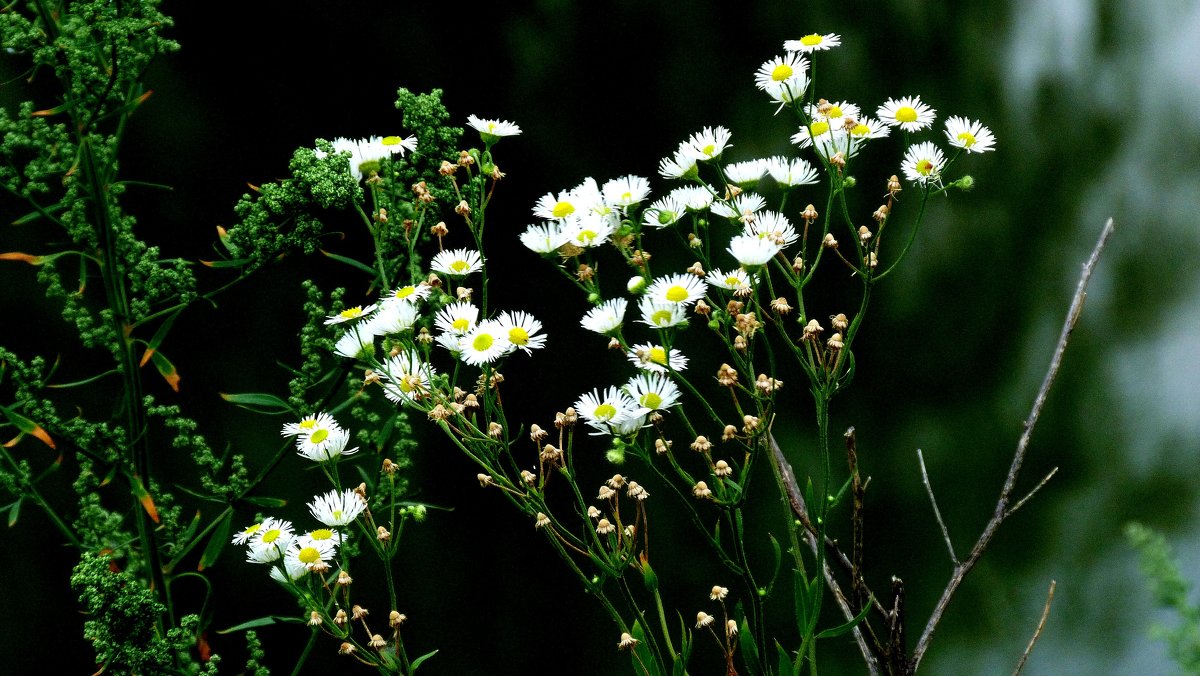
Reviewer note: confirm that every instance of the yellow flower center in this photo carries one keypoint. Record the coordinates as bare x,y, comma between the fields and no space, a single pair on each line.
781,72
491,126
658,355
271,535
405,292
661,317
563,209
518,336
651,400
906,114
833,111
392,140
732,281
676,294
406,385
461,324
811,40
319,436
709,149
967,139
482,342
458,266
586,236
309,555
860,129
321,534
337,515
351,313
626,196
818,128
307,424
605,411
252,529
925,167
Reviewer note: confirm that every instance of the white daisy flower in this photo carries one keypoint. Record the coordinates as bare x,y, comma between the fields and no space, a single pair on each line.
495,129
650,357
588,231
324,443
256,530
625,191
411,293
866,129
361,154
394,317
734,280
308,424
295,571
694,197
752,251
629,426
523,331
745,173
823,137
270,541
457,262
394,145
708,144
486,343
653,391
791,173
406,377
309,554
601,409
663,212
553,207
350,314
908,113
590,199
923,163
355,343
679,165
450,342
783,76
972,137
678,288
773,226
740,208
835,114
545,238
606,318
337,508
457,318
336,537
814,42
662,315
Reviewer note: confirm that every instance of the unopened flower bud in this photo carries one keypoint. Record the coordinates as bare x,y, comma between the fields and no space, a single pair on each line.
636,284
395,619
463,208
829,242
701,490
728,433
839,322
864,235
809,214
835,342
881,214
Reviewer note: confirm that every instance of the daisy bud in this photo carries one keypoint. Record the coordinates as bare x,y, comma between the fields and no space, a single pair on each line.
536,433
694,241
484,479
881,214
702,308
389,467
661,447
377,642
496,379
627,641
636,284
871,260
541,520
604,527
341,618
528,477
797,265
829,242
419,188
439,230
495,431
344,578
732,191
718,593
726,376
395,619
314,618
750,423
696,269
464,293
838,160
424,337
614,344
656,418
739,343
734,307
457,407
636,491
731,628
549,453
728,433
781,306
357,612
810,213
893,185
346,649
703,619
722,468
465,159
361,491
701,444
839,322
381,216
433,281
835,342
864,235
616,481
593,512
812,329
566,418
320,567
463,208
585,272
630,531
447,169
824,106
496,173
605,493
382,534
701,490
639,258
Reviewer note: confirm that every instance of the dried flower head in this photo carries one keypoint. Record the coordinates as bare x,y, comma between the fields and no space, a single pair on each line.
604,527
627,641
726,376
536,433
636,491
703,619
344,578
728,433
605,493
396,618
881,214
722,468
702,308
781,306
701,490
593,512
484,479
731,627
346,648
377,642
750,423
864,234
341,618
718,593
829,242
495,431
893,185
661,446
701,444
809,214
835,342
314,618
382,534
528,477
541,520
812,330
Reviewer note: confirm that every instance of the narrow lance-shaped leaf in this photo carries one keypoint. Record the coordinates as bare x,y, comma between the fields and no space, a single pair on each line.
258,402
166,369
159,336
216,543
143,496
26,426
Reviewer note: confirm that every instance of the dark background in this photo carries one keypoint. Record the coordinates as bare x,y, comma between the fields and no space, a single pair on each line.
1092,104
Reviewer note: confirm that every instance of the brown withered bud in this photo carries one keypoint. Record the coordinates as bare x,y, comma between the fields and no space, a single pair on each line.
871,260
361,491
433,281
484,479
419,188
462,209
733,307
496,173
465,159
528,477
495,431
701,490
702,308
439,230
727,375
566,418
722,468
781,306
614,344
389,467
749,424
767,385
424,336
382,534
849,123
864,235
585,272
747,324
829,242
447,169
464,293
812,330
732,191
381,216
640,258
835,342
838,160
696,269
839,322
550,453
798,265
881,213
408,224
823,107
439,413
661,447
694,241
495,380
729,433
739,343
893,185
471,402
536,433
457,407
701,444
809,214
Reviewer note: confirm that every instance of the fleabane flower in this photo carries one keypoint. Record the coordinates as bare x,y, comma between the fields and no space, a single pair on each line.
395,145
392,318
653,391
410,293
324,443
545,238
773,226
457,262
694,197
337,508
356,342
908,113
625,191
708,144
972,137
600,409
523,330
484,344
784,78
589,230
457,318
606,318
308,424
255,531
823,137
923,163
745,173
813,42
835,114
735,280
752,251
492,130
663,212
309,554
865,129
350,314
662,315
270,541
791,173
406,377
679,165
740,208
677,288
650,357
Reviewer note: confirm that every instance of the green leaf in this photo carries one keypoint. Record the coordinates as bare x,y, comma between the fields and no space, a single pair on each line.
26,426
14,511
352,263
420,660
800,597
259,402
159,336
778,551
166,369
262,622
749,648
216,543
85,381
841,629
643,662
785,660
263,501
232,263
39,213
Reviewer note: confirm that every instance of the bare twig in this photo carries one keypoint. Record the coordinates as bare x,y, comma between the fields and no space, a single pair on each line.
1001,511
1030,493
937,513
1037,633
